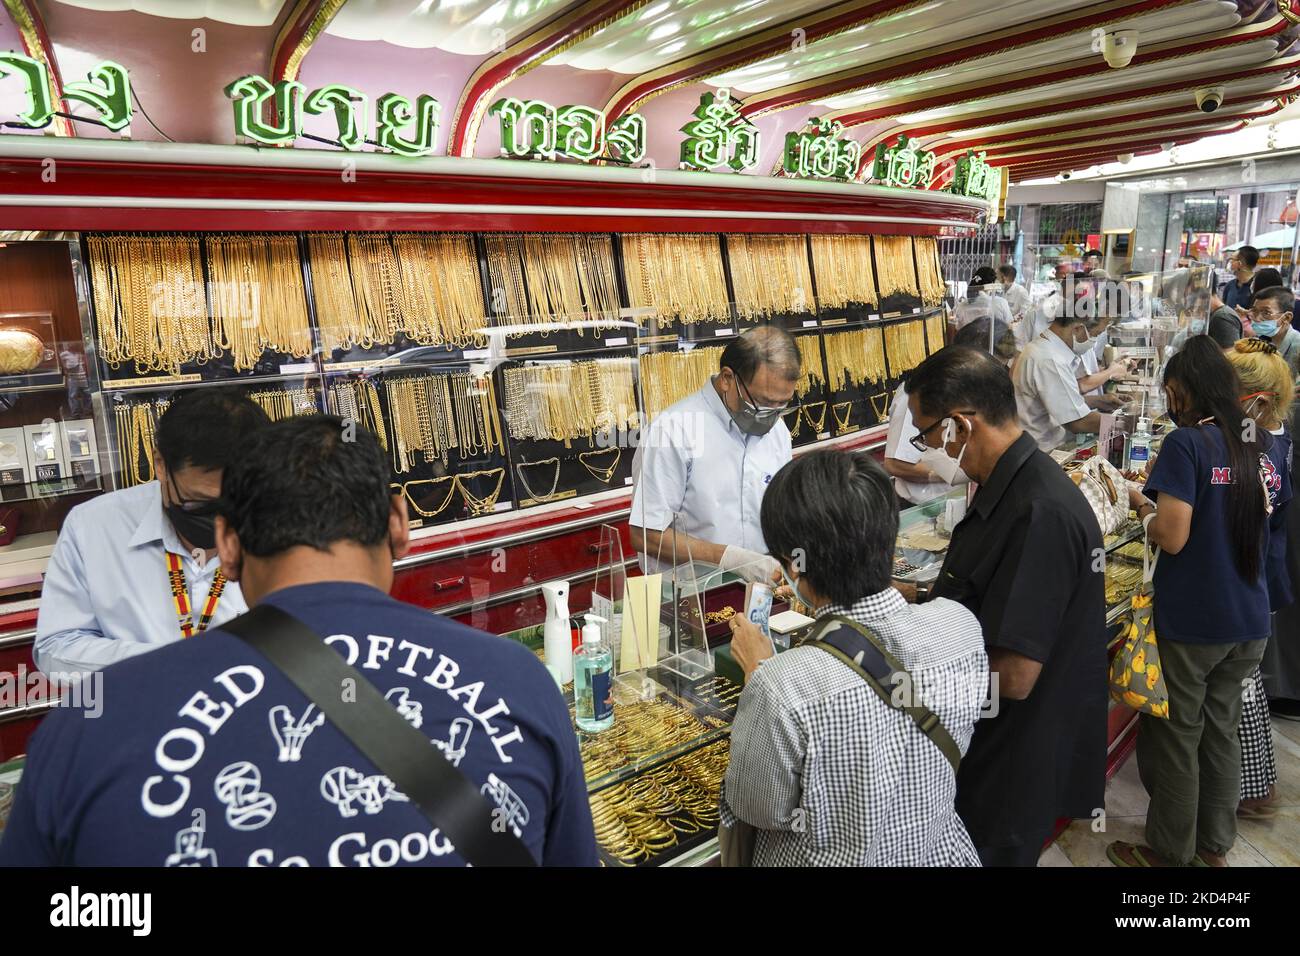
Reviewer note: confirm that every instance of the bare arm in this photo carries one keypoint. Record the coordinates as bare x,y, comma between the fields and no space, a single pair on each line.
1172,524
908,471
1089,424
1017,674
674,547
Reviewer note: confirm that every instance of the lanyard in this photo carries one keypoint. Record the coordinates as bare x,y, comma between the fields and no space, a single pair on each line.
181,597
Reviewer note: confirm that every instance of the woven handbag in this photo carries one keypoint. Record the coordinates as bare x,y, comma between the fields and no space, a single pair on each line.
1136,679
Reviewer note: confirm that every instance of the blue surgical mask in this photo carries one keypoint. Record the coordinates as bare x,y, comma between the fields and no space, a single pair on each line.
795,588
1265,329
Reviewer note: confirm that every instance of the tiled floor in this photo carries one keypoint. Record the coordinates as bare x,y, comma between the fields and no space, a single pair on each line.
1274,842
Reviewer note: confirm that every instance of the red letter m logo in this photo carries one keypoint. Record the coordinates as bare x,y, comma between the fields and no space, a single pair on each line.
1221,476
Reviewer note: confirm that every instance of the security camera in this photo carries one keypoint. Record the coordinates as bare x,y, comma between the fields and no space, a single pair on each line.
1118,47
1125,158
1065,175
1209,98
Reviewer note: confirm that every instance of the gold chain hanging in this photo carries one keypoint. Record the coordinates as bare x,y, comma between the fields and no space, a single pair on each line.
842,265
810,363
150,307
905,346
936,326
676,276
561,401
542,278
668,377
282,403
258,301
933,289
855,358
769,274
894,268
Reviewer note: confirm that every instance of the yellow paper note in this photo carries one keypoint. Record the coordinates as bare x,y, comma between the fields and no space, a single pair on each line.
640,623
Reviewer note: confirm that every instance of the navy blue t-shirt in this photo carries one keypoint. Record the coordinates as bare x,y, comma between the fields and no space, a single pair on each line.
206,755
1278,473
1200,596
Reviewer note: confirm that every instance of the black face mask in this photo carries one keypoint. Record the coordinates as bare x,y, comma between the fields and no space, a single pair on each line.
194,521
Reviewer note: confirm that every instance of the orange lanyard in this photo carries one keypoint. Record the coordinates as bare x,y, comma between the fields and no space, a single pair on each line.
181,597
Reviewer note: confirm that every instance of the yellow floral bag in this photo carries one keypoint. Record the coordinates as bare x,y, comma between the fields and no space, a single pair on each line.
1135,675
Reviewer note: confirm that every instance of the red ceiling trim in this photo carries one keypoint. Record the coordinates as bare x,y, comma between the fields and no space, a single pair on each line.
960,146
1060,72
303,26
1044,166
771,41
548,40
975,48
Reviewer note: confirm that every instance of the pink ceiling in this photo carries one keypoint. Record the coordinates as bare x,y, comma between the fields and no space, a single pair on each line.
179,89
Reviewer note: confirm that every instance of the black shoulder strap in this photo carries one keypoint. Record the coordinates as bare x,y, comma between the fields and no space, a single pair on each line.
857,647
402,754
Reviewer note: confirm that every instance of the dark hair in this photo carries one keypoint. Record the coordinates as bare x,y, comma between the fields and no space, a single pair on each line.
1283,299
766,345
1094,253
1249,256
833,516
975,334
208,428
310,480
983,276
960,377
1268,278
1008,271
1208,383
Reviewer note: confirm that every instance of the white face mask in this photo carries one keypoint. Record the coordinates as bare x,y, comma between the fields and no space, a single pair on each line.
1084,347
941,463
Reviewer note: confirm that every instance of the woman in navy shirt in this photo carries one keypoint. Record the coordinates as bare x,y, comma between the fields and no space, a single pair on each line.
1267,391
1211,611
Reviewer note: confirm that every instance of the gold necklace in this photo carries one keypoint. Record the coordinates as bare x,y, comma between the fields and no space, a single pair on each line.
810,363
555,481
602,474
905,346
486,504
797,412
935,328
933,288
818,425
676,277
842,423
895,269
842,265
880,404
769,274
451,491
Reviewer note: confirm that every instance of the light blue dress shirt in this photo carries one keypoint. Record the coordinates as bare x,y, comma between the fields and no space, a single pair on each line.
107,596
694,461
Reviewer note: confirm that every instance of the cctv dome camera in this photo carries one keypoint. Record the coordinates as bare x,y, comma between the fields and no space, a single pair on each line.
1065,175
1119,47
1125,158
1209,98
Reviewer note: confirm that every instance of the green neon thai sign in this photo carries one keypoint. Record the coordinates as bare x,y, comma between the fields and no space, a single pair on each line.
106,90
903,165
822,153
975,177
719,136
534,129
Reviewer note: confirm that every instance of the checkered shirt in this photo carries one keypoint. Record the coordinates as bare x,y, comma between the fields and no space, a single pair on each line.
831,775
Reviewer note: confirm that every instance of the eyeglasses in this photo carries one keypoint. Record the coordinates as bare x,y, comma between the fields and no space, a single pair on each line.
918,440
201,507
1261,316
763,413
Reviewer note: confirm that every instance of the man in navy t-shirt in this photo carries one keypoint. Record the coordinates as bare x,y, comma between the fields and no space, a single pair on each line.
206,755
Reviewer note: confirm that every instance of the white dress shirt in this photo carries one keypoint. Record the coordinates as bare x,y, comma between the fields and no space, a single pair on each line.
982,305
107,596
1047,390
899,447
1018,300
694,461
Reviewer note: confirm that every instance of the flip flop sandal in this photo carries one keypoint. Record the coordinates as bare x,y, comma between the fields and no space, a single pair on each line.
1265,811
1200,860
1132,855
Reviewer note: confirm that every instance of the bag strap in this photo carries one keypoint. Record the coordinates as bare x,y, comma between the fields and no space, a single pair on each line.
858,648
402,754
1149,558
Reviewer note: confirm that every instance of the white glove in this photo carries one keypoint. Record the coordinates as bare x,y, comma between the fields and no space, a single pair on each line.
750,565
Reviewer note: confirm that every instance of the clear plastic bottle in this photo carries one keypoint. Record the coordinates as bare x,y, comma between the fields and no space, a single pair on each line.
593,675
1139,449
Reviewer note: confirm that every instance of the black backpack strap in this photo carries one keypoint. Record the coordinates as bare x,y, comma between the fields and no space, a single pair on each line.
402,754
858,648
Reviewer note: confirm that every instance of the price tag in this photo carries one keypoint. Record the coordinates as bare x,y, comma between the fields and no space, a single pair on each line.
471,354
721,332
298,368
610,343
810,324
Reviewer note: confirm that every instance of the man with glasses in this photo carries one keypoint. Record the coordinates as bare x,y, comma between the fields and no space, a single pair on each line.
1026,561
706,461
1271,316
138,568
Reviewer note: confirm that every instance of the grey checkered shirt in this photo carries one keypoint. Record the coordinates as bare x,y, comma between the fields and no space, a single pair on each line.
831,775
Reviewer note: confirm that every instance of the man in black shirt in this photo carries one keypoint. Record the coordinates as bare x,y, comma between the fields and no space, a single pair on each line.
1027,560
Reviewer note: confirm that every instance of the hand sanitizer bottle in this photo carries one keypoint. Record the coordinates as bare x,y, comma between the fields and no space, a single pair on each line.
593,675
1139,450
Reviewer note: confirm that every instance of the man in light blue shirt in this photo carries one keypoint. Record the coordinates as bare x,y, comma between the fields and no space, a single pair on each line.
707,460
138,568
